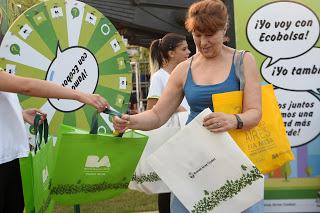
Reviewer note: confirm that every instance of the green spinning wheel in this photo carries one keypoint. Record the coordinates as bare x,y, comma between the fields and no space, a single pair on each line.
74,45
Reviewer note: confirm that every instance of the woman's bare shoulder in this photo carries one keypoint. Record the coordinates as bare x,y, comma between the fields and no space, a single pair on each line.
229,51
249,61
183,66
180,72
248,57
250,67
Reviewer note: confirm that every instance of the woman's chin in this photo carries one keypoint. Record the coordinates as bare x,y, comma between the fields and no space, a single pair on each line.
208,54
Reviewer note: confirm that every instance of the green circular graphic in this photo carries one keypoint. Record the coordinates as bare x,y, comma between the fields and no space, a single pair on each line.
72,44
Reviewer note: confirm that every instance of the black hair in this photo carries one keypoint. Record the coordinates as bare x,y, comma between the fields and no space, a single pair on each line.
160,48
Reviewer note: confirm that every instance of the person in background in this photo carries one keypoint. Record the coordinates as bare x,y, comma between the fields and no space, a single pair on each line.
165,54
13,136
211,70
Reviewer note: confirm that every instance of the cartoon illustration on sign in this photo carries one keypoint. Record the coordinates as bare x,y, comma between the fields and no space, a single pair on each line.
284,37
288,40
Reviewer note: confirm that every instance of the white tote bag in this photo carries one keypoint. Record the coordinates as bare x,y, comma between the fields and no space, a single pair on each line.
145,179
207,172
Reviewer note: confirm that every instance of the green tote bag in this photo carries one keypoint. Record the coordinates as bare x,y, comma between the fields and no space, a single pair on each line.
26,170
93,167
42,177
36,171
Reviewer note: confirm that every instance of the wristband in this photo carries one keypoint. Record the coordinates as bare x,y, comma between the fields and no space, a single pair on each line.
239,122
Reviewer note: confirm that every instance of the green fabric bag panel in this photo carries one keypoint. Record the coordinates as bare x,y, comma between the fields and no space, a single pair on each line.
55,147
92,167
42,172
36,170
26,170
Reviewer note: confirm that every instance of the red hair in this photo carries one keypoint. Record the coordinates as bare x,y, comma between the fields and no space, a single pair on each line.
207,16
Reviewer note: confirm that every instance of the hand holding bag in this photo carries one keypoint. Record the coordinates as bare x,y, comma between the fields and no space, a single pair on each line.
207,172
267,145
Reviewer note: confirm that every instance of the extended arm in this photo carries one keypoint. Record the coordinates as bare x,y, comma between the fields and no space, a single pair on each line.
41,88
161,111
152,101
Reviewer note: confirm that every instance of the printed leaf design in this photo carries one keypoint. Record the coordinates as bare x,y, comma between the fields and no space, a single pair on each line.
227,191
151,177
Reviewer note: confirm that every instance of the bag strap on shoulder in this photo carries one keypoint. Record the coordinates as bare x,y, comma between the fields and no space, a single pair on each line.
189,67
239,69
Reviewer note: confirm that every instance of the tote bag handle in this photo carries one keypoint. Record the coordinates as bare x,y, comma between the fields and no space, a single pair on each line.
94,120
42,129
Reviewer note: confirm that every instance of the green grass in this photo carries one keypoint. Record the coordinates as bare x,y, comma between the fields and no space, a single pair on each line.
293,188
130,201
292,183
291,194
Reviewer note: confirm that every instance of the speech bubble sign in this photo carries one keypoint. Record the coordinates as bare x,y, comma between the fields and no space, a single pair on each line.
301,115
300,73
75,68
292,26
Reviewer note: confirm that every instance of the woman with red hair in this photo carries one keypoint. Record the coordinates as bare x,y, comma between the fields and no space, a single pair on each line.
211,70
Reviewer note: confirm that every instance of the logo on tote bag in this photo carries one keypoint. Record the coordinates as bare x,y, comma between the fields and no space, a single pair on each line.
93,161
193,173
96,166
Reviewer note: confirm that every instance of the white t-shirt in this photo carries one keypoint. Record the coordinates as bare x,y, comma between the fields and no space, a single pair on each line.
13,135
158,82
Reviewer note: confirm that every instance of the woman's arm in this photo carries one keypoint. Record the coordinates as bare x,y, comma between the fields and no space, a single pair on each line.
152,101
251,110
162,110
157,86
181,109
46,89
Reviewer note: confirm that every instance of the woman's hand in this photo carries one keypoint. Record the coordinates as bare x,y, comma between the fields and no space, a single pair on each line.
220,122
95,100
121,124
29,115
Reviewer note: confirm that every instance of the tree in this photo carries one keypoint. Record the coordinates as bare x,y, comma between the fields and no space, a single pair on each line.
309,170
286,171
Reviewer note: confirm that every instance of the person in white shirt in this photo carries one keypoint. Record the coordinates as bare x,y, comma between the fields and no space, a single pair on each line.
165,54
209,71
13,136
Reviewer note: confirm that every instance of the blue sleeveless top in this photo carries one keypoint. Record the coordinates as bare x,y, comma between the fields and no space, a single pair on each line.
199,97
